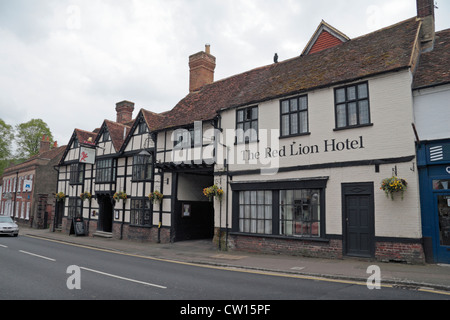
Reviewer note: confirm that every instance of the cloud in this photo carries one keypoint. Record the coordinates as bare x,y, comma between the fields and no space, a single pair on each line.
69,62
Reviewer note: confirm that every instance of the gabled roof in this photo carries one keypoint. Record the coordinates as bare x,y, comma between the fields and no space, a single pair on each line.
117,131
82,136
386,50
37,160
325,37
434,66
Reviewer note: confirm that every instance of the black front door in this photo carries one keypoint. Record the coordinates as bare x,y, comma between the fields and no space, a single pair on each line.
358,220
59,213
105,218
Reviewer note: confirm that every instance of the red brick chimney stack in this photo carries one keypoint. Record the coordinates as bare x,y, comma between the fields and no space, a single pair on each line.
124,111
202,66
425,12
45,144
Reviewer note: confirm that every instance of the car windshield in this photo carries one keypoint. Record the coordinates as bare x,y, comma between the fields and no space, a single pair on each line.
6,220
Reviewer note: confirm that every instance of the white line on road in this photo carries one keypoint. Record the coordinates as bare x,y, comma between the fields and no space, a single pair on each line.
122,278
36,255
3,246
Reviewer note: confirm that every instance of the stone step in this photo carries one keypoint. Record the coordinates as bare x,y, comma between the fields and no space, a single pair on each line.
102,234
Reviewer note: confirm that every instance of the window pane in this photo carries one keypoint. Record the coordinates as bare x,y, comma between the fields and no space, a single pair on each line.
240,115
303,122
351,93
340,95
285,125
285,106
443,184
303,103
363,112
352,114
255,114
341,116
294,105
362,91
294,123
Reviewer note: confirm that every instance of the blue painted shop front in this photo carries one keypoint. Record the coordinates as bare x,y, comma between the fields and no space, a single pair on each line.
434,173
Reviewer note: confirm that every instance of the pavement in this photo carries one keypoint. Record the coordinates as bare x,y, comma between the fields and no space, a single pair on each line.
204,252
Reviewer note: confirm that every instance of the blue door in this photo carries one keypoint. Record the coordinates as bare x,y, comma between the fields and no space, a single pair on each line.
442,223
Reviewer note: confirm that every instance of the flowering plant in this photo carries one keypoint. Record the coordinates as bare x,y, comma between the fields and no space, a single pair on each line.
393,185
213,191
86,196
60,196
120,196
155,196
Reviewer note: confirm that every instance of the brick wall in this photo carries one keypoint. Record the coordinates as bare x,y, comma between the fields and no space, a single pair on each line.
331,249
385,251
400,252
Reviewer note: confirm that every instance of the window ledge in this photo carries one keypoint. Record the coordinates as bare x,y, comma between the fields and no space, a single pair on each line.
354,127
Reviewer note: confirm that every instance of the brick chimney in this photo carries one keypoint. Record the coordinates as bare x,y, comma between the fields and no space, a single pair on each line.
425,12
45,144
202,66
124,111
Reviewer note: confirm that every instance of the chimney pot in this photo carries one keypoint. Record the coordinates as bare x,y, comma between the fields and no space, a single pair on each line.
202,66
45,144
124,111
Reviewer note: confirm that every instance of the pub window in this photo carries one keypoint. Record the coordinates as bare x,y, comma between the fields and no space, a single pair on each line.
352,106
142,167
247,125
294,116
255,212
141,213
76,173
105,170
290,212
300,212
75,207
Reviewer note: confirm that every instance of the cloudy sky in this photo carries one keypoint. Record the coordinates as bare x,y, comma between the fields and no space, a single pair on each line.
68,62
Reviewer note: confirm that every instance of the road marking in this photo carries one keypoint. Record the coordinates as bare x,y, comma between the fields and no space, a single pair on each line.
275,274
36,255
3,246
122,278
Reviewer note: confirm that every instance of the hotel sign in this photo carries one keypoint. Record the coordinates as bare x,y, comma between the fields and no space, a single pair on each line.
87,155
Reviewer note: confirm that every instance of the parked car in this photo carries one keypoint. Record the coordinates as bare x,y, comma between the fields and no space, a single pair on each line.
8,226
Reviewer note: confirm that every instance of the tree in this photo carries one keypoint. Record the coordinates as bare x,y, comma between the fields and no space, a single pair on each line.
29,136
6,137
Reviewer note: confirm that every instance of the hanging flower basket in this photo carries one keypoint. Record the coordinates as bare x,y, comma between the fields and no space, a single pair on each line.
155,196
120,196
60,196
393,185
86,196
213,191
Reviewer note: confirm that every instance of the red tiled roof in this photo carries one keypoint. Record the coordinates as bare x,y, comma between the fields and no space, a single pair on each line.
117,134
434,66
385,50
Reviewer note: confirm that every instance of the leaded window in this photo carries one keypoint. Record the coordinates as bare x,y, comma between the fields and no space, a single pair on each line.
141,212
352,106
142,167
294,116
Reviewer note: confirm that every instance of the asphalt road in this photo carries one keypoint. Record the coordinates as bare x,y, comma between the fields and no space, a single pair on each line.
35,269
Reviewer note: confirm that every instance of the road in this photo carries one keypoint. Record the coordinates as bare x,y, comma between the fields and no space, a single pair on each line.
36,269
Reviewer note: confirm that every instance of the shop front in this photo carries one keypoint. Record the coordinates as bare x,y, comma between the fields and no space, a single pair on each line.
434,168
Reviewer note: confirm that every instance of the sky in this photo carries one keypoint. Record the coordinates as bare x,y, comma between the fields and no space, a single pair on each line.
68,62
